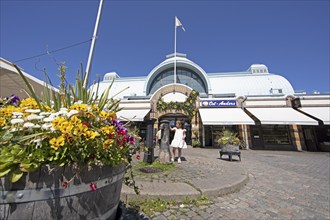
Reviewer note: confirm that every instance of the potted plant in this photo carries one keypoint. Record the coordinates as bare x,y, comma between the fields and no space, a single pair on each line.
196,143
228,141
65,156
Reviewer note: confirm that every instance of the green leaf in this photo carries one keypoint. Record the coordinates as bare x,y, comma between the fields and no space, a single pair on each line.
57,155
5,166
25,167
64,153
5,172
7,136
27,137
15,175
6,158
32,93
28,167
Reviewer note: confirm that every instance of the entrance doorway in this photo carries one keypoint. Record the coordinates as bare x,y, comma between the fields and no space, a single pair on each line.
257,138
310,140
172,118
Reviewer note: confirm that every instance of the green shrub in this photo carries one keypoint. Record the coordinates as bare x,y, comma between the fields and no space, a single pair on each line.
196,143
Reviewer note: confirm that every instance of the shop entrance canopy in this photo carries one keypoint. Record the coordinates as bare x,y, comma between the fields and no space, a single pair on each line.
322,113
132,114
286,116
224,116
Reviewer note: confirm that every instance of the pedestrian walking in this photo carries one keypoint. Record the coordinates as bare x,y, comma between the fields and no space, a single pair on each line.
178,141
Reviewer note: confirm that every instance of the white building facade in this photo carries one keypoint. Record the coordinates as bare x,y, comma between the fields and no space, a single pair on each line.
260,106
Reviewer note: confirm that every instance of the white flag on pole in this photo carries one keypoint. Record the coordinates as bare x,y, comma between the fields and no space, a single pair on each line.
178,23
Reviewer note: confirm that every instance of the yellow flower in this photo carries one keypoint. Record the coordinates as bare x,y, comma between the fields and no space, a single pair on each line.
89,114
65,127
2,122
108,143
57,142
95,108
8,111
79,107
57,122
91,134
70,138
29,103
103,114
74,120
80,129
108,129
112,115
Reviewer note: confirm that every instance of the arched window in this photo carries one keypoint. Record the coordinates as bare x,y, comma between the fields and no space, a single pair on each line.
183,76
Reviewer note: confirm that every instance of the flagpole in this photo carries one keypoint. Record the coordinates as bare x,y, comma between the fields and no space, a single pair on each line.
175,50
91,51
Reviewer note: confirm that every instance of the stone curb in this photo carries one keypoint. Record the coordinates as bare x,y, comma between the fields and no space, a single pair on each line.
168,191
227,189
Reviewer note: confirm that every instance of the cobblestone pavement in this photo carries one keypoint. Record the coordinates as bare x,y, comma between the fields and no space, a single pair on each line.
282,185
196,167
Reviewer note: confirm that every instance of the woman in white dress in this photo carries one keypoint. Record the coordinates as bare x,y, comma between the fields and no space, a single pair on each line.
178,141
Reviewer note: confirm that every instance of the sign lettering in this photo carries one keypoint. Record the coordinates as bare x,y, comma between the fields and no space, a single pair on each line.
218,103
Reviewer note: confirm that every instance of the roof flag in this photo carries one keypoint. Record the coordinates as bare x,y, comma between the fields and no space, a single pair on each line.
178,23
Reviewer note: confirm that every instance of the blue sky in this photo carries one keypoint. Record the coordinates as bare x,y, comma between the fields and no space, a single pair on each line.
290,37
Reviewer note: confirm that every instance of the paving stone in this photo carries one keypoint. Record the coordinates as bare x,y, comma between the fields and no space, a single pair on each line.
282,185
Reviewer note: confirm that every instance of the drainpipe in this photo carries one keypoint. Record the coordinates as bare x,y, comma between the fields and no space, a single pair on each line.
203,132
246,139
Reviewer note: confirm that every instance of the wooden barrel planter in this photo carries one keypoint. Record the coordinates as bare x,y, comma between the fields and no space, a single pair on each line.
43,194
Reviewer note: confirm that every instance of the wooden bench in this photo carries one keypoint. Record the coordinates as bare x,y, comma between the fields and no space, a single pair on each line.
230,150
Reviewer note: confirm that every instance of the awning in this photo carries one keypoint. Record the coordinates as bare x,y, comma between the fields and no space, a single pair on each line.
322,113
224,116
132,114
286,116
12,83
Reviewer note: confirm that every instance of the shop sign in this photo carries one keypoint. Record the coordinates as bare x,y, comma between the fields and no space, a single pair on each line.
218,103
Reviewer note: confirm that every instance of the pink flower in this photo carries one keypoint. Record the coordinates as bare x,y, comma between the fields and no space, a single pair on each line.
65,184
131,140
92,186
138,157
86,124
122,132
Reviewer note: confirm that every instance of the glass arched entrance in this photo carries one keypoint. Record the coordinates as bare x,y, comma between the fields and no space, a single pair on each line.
172,118
184,76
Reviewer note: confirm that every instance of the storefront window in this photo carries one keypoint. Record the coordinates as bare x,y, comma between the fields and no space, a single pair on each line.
276,134
212,133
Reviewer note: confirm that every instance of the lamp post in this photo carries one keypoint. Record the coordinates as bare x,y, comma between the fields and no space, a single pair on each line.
149,155
91,51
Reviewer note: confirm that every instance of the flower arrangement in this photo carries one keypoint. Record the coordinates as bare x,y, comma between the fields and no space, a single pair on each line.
196,143
189,106
228,137
72,128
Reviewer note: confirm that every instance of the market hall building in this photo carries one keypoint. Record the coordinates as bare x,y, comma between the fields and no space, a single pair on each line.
261,107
